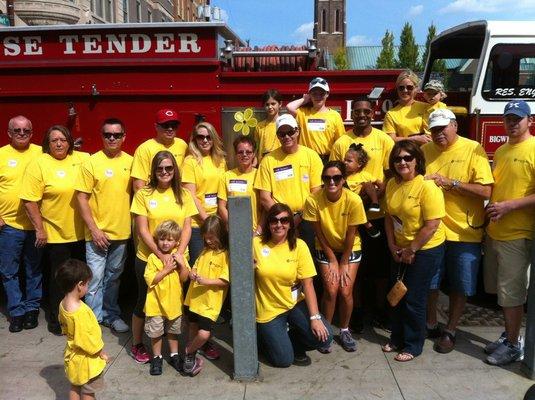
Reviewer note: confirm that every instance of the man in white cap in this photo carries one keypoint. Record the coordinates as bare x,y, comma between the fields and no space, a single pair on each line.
289,174
166,126
461,168
320,125
510,231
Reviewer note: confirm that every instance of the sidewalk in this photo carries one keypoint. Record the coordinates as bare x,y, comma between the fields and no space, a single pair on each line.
31,367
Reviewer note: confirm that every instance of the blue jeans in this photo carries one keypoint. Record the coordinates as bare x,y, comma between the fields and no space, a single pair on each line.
408,317
280,345
17,245
107,267
195,246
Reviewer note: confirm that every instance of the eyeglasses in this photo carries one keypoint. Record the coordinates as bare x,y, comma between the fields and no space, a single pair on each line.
282,220
169,125
335,178
244,152
167,168
116,136
408,158
363,111
21,132
202,138
282,134
409,88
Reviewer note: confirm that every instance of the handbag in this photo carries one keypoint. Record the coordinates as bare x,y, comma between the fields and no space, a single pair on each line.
398,290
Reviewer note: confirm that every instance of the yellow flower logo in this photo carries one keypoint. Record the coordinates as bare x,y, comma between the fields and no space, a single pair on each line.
245,121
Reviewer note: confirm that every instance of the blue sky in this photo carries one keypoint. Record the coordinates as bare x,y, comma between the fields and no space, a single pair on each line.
290,21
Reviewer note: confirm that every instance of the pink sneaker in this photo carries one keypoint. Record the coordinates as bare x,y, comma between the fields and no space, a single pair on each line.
139,353
209,351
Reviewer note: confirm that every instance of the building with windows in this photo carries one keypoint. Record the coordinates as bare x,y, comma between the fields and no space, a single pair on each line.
330,24
52,12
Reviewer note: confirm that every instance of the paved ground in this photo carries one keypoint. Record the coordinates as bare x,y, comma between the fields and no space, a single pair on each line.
31,367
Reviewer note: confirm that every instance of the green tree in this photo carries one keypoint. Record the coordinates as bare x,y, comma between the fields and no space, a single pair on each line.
386,58
408,50
340,59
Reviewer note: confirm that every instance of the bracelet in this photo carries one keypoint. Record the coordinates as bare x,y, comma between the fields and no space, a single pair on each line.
315,317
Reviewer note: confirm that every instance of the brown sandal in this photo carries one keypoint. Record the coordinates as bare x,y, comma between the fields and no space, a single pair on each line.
389,348
404,357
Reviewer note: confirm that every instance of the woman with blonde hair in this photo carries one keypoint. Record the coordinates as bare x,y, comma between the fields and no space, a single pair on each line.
407,120
201,172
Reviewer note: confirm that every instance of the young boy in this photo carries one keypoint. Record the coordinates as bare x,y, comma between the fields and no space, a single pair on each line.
163,307
84,356
434,94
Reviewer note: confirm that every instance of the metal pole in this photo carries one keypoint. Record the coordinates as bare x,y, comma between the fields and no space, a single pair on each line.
11,12
242,289
528,364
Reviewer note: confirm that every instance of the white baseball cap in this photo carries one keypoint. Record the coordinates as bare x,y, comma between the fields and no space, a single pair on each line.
441,117
285,119
318,83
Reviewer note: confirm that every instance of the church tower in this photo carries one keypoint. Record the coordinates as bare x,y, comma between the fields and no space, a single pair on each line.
330,24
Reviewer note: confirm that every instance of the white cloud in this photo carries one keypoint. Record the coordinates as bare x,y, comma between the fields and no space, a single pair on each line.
358,40
416,10
303,32
486,6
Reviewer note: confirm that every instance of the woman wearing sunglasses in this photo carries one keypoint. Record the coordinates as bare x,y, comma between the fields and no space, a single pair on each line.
335,213
201,172
161,199
416,237
287,315
407,120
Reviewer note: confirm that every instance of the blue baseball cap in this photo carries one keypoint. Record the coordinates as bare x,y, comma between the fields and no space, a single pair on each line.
517,107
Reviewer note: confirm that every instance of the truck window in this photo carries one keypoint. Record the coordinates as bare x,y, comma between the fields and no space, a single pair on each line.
510,72
457,74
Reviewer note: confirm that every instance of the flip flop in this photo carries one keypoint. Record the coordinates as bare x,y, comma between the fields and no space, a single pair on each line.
389,348
404,357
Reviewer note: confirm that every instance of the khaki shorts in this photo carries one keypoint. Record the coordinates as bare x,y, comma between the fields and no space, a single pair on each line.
93,386
154,326
506,270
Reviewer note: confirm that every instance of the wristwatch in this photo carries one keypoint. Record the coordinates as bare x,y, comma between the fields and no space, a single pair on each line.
455,183
315,316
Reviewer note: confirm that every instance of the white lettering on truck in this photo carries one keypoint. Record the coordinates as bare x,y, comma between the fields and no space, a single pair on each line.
32,46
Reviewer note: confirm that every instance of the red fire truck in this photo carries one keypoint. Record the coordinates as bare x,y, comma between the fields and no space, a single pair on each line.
79,75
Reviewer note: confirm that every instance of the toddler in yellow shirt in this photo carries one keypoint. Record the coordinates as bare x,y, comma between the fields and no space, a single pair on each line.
84,357
207,291
434,94
163,305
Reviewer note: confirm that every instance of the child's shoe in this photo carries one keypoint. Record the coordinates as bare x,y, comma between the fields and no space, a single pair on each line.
139,353
209,351
192,364
156,365
374,207
373,232
177,363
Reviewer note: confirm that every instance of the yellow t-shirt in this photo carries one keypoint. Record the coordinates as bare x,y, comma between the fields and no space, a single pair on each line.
147,150
514,175
234,183
107,181
405,121
165,298
266,139
336,217
158,206
13,163
378,146
205,176
207,301
84,343
434,107
467,162
50,183
319,130
410,204
277,270
290,177
355,181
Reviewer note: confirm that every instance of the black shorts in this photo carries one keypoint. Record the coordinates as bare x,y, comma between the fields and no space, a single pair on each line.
321,258
376,257
206,324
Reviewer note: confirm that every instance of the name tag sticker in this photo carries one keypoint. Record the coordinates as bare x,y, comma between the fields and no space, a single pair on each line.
12,163
61,173
237,185
108,173
283,173
265,251
153,204
210,199
315,124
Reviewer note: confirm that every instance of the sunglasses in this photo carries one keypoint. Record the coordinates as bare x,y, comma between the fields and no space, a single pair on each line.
282,134
335,178
202,138
167,168
409,88
318,80
244,153
116,136
282,220
363,111
408,158
169,125
21,131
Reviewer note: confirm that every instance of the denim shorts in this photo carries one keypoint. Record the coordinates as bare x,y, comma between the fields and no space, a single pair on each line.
460,266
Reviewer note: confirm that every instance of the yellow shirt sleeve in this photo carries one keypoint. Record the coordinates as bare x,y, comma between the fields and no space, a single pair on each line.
141,163
316,166
151,269
138,206
305,264
32,183
432,202
388,124
85,181
309,212
222,189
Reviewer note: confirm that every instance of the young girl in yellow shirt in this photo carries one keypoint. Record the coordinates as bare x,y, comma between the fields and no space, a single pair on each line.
208,289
